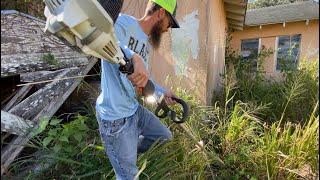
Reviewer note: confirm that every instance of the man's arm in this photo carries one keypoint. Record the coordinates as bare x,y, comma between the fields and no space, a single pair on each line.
140,75
168,94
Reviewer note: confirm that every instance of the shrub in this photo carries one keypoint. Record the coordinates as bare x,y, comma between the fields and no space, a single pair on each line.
259,129
233,132
296,87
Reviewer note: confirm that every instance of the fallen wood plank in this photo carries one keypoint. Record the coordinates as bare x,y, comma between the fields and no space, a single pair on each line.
26,48
12,150
14,125
40,75
47,81
18,97
32,105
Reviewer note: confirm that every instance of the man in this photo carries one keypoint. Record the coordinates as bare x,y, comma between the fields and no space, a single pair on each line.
126,127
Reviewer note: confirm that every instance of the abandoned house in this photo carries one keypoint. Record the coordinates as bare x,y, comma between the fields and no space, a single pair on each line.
192,57
281,28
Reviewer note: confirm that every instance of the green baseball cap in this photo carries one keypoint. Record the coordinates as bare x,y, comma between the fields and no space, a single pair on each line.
170,6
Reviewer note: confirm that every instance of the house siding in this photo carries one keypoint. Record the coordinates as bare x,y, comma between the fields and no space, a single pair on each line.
309,46
193,56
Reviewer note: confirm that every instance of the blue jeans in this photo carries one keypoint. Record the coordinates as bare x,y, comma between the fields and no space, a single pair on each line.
124,138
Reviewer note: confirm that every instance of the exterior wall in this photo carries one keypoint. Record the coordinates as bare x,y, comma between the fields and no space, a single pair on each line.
191,57
309,47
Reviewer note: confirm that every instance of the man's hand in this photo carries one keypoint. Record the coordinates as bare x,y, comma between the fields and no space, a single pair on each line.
168,98
140,76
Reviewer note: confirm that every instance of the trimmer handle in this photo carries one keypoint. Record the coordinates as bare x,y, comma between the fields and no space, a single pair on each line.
128,69
173,115
164,107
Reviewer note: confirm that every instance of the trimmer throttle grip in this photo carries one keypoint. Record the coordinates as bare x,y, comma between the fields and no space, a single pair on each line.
128,68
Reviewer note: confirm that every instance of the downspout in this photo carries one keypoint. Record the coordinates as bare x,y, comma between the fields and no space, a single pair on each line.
207,54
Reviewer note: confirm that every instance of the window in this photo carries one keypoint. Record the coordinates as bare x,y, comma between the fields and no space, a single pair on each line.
288,52
250,50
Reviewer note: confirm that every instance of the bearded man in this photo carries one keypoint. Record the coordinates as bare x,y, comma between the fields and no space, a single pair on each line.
127,128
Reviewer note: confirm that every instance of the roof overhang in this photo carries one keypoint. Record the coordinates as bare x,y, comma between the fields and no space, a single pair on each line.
281,22
235,13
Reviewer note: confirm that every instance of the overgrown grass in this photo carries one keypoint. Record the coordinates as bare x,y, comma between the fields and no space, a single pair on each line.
236,130
290,96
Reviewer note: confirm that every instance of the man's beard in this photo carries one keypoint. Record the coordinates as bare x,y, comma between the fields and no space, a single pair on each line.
156,33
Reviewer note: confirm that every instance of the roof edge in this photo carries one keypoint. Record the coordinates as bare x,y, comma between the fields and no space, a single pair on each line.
231,11
251,25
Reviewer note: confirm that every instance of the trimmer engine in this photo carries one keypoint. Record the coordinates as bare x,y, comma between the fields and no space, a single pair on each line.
86,25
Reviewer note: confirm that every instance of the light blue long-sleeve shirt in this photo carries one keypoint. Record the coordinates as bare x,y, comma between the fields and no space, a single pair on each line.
118,97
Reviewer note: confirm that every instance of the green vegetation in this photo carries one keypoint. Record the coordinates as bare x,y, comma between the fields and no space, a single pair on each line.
261,128
266,3
50,59
250,145
295,91
32,7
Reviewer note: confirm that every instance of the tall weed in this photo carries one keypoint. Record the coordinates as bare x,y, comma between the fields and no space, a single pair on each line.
283,95
269,130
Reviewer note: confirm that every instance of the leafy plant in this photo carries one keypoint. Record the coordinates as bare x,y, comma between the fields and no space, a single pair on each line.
269,130
233,132
71,149
287,93
50,59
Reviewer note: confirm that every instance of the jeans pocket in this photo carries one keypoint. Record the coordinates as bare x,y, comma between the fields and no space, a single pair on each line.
116,127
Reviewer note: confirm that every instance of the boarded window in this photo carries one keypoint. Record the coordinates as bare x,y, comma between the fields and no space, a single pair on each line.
249,51
288,52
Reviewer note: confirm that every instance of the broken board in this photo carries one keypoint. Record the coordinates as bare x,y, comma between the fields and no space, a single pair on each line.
43,104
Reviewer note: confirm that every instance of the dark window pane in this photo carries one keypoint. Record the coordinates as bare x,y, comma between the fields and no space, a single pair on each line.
296,39
284,42
288,52
249,50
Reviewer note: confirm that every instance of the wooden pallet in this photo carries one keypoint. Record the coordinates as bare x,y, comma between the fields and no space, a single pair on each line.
21,117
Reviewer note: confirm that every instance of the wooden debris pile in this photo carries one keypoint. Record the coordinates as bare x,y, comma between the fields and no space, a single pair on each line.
23,46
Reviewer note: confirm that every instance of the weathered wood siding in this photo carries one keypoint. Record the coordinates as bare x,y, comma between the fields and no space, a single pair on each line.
14,124
24,46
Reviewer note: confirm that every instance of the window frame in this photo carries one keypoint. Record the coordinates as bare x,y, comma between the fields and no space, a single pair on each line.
259,47
277,50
